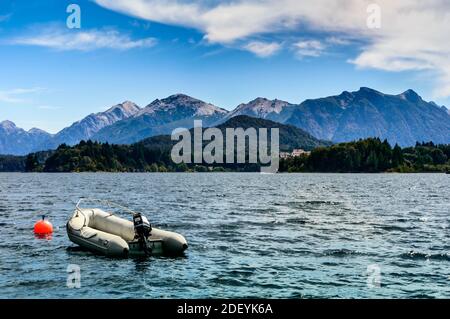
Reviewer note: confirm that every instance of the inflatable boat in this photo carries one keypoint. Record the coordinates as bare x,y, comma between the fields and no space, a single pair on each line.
107,234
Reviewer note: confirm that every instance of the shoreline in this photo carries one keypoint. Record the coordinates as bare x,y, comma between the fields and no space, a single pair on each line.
279,173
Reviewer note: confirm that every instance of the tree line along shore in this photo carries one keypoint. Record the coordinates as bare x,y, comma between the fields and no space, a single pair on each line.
363,156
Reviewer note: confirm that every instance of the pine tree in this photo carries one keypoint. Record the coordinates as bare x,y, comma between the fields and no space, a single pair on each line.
372,162
31,163
397,156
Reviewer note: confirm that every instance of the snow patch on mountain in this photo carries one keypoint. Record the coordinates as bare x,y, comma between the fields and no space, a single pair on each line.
260,107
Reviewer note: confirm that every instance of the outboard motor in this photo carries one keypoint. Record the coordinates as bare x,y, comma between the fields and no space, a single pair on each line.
142,228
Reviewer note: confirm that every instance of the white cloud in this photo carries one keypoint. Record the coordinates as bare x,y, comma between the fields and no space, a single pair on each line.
334,40
263,49
82,40
18,95
309,48
413,36
227,21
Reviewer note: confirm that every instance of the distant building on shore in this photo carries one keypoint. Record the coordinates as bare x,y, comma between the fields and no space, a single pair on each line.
285,155
295,153
299,152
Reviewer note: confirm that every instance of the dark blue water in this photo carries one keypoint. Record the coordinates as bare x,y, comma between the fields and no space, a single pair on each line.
250,235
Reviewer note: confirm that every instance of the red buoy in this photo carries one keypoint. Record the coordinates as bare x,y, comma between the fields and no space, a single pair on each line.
43,227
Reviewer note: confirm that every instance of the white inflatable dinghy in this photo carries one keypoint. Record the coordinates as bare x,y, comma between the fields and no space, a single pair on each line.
110,235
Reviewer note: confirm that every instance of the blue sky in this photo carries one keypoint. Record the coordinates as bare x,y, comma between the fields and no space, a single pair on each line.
221,52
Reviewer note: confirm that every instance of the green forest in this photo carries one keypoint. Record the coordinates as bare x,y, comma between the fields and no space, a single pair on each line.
370,155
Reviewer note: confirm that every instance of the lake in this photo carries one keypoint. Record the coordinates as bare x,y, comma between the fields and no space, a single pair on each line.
249,235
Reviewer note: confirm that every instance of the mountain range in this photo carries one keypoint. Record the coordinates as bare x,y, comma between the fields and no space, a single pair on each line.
403,119
161,117
16,141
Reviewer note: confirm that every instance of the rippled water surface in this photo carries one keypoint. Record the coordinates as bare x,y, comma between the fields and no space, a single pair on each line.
250,235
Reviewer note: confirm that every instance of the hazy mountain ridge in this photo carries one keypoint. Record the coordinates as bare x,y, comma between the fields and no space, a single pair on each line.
161,117
404,119
87,127
15,140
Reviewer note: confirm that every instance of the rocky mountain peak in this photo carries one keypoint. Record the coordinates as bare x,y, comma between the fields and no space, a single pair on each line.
365,91
8,125
345,98
411,96
178,102
128,108
260,107
35,130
